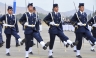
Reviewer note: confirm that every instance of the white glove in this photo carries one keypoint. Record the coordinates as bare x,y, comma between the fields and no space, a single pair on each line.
56,24
94,25
80,24
31,25
52,23
5,24
10,25
26,24
18,33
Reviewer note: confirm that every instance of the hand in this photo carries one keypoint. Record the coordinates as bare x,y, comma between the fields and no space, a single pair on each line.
5,24
52,23
33,25
56,24
80,24
26,24
94,25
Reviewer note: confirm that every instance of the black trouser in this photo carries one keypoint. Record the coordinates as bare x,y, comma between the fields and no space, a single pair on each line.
94,35
52,38
82,36
28,38
79,36
8,39
17,42
31,42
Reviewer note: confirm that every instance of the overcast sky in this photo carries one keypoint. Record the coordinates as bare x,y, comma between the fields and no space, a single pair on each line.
64,5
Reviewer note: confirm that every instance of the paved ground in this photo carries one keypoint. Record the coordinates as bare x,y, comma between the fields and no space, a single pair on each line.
59,50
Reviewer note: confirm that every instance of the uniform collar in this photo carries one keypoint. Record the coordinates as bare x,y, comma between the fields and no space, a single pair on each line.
30,13
81,12
9,14
55,12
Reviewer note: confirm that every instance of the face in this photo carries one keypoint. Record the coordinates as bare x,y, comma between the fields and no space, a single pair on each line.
10,11
56,9
30,8
81,8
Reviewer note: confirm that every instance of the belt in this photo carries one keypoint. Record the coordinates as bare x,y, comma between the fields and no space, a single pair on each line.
84,24
55,25
9,26
29,26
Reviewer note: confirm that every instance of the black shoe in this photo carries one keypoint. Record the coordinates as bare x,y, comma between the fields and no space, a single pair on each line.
75,50
79,56
22,42
8,54
1,44
27,57
92,44
31,53
50,57
46,45
92,50
74,44
67,45
17,44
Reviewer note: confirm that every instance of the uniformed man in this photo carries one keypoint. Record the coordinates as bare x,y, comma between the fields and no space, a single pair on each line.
31,26
40,24
11,28
92,22
79,21
32,42
1,39
53,20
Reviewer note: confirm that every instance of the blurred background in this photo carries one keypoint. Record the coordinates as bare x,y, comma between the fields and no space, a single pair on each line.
66,7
